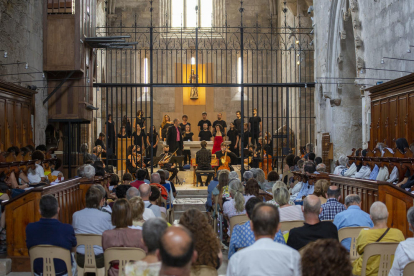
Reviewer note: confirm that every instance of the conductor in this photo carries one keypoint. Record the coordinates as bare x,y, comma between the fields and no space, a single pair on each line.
174,139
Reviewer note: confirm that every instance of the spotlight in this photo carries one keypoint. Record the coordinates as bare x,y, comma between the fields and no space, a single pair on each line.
26,66
5,54
298,62
382,61
297,41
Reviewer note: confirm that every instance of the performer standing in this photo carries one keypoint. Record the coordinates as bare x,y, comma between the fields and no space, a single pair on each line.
238,122
123,132
255,125
166,123
187,136
219,121
204,121
205,134
126,122
155,139
218,138
110,132
184,123
174,138
138,137
233,137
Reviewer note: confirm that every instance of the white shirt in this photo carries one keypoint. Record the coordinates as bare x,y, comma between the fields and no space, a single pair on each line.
265,257
35,176
154,208
291,213
148,213
403,255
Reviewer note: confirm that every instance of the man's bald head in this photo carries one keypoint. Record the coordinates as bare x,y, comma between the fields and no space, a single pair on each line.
312,205
145,191
176,247
265,220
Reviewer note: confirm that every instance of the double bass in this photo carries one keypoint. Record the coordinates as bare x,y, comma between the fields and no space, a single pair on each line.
225,162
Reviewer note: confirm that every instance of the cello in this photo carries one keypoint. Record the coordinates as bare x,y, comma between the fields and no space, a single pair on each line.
225,161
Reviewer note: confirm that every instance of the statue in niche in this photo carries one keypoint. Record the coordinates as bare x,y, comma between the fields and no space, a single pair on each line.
194,90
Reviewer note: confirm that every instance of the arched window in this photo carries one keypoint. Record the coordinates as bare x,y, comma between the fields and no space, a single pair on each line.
183,13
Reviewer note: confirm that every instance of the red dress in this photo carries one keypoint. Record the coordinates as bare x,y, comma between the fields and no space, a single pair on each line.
217,144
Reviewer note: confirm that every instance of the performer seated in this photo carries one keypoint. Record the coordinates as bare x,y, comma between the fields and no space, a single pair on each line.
133,162
165,163
222,152
252,159
203,160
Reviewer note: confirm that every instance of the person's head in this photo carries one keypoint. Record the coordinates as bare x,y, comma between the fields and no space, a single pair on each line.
121,213
318,160
334,192
166,149
280,193
290,160
121,191
49,207
101,136
41,148
326,257
223,179
309,147
260,176
89,171
352,199
102,190
295,161
309,167
156,178
114,180
204,115
254,111
401,144
311,156
321,187
272,176
58,164
252,187
140,174
155,193
152,231
123,129
138,128
109,117
145,191
311,206
203,144
176,122
127,178
184,118
265,220
80,171
162,176
132,192
31,148
177,248
246,126
321,168
410,218
343,160
238,114
99,171
94,198
378,212
38,155
236,192
218,128
205,240
300,164
223,147
247,175
250,204
219,116
205,126
233,175
231,125
187,128
139,113
137,208
251,148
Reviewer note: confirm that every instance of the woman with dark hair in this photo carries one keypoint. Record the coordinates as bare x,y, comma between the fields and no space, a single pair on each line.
166,123
110,133
205,240
123,133
187,136
139,120
223,187
401,144
252,188
218,139
133,159
127,123
121,236
272,177
155,139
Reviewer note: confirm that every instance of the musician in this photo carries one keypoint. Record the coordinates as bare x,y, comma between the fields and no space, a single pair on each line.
174,138
138,137
221,153
123,133
203,160
253,158
205,134
233,136
165,163
219,121
133,162
101,142
255,125
238,122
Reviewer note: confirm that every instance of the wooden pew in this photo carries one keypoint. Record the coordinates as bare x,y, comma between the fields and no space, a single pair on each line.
24,209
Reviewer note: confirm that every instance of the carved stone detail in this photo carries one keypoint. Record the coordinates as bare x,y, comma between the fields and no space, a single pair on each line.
353,5
346,14
356,23
342,34
358,42
340,58
360,63
335,102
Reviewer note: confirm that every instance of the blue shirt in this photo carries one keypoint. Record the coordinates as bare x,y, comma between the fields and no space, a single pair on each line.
330,209
305,190
352,217
147,181
243,236
210,188
50,232
374,173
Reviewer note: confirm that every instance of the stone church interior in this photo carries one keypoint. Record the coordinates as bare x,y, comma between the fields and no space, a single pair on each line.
206,137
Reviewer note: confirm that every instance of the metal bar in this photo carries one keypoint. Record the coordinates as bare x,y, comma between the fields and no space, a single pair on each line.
255,85
57,87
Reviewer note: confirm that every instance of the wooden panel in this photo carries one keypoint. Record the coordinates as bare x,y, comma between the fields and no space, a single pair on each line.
10,123
18,125
409,121
402,113
375,122
383,120
2,124
390,127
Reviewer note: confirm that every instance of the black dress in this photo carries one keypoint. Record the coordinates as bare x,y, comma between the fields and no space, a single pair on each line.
164,130
110,128
130,168
187,153
154,139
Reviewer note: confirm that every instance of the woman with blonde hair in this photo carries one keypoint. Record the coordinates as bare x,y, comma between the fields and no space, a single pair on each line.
321,188
166,123
137,211
287,212
235,206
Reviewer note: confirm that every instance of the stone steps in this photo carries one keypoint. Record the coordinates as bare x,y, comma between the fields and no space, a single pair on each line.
192,193
183,204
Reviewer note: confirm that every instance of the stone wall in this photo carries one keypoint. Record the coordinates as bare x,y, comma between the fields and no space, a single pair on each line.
21,35
373,30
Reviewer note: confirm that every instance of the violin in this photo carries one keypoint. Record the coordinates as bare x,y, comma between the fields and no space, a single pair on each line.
167,157
225,161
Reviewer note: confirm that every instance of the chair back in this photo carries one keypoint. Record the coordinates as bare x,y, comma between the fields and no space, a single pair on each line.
123,255
386,250
203,270
89,240
352,233
409,269
287,225
48,253
164,216
237,220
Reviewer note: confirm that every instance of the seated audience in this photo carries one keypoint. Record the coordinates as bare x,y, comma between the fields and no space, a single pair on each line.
353,216
91,220
133,192
49,230
156,180
140,175
155,199
287,211
313,229
321,189
318,160
379,233
127,179
265,257
35,173
311,157
243,235
278,184
252,188
306,189
166,185
152,231
326,257
222,189
272,177
213,184
145,191
114,181
343,165
235,206
247,175
121,191
206,242
122,235
321,168
260,177
137,210
332,205
176,252
405,250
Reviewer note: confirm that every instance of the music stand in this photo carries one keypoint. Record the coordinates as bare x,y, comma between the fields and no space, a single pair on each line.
156,160
177,160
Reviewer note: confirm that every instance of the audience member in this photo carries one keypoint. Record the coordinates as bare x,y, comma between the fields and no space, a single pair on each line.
252,188
206,243
353,216
235,206
265,256
247,175
91,220
35,173
405,250
287,211
272,177
89,172
49,230
321,189
343,165
145,191
127,179
140,175
321,168
332,205
306,189
260,177
155,199
379,233
137,210
152,231
203,160
313,229
213,184
326,257
223,188
311,157
318,160
122,235
156,180
121,191
243,235
176,252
